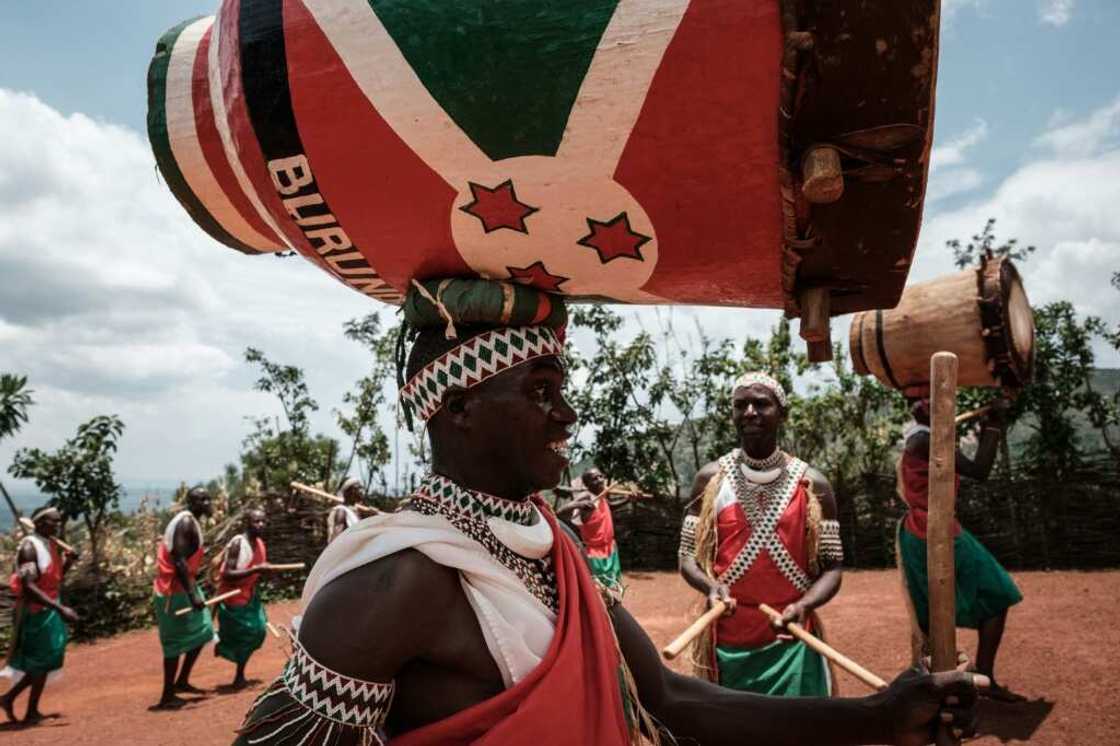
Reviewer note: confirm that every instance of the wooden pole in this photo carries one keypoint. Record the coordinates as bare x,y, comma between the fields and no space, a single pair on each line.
942,507
673,649
209,602
826,650
333,498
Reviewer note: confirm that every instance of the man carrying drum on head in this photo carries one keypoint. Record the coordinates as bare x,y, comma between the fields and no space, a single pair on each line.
762,529
984,590
469,616
38,625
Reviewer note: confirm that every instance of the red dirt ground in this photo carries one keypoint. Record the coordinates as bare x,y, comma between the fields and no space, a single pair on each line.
1060,649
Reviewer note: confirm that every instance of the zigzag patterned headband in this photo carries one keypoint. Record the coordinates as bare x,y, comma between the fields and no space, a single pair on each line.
479,358
764,380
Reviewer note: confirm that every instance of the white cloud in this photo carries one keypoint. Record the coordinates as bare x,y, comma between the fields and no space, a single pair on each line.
1083,137
955,151
1064,203
948,171
1055,12
112,300
950,8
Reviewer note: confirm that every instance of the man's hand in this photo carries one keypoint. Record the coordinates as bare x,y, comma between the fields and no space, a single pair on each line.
795,612
69,614
918,703
720,592
197,603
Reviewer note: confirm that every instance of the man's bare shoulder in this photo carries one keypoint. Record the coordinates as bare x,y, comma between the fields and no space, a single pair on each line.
706,474
372,620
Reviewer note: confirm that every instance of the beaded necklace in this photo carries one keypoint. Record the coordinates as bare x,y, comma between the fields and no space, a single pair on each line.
470,512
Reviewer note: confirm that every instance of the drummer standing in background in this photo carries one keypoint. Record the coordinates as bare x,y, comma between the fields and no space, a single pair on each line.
342,517
39,622
984,590
241,620
762,528
591,513
178,559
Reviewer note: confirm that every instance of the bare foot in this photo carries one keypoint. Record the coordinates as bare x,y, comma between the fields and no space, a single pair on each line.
999,693
186,688
169,702
33,718
8,707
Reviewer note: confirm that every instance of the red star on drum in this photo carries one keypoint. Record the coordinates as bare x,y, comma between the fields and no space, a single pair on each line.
537,276
498,207
614,239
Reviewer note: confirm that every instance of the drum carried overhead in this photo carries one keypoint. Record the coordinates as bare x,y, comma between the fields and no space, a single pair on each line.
980,314
724,152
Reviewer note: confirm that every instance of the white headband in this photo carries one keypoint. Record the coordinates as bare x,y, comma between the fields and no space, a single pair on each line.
758,378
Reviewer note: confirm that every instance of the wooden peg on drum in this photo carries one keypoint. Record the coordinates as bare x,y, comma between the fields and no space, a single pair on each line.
822,179
815,324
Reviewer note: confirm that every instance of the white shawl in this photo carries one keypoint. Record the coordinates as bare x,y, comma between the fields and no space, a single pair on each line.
518,628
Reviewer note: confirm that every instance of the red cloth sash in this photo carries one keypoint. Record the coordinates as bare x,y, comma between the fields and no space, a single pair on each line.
572,697
166,583
246,584
915,491
49,582
597,531
763,582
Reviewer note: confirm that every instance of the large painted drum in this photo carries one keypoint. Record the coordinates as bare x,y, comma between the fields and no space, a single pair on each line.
980,314
730,152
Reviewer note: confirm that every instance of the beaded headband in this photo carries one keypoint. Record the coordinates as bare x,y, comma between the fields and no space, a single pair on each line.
758,378
479,358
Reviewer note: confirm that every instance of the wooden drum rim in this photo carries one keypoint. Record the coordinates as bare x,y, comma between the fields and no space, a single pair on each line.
996,278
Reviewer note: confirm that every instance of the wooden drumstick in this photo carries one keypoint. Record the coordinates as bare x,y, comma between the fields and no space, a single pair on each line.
275,632
288,566
826,650
29,526
333,498
673,649
209,602
972,414
939,530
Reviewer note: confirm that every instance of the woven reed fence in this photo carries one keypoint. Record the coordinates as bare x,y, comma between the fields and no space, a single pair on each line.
1028,521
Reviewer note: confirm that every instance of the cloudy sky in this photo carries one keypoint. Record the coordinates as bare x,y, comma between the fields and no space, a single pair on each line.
111,300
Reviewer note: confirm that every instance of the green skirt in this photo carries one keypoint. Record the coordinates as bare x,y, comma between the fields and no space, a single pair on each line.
984,589
607,570
181,634
41,645
780,669
241,630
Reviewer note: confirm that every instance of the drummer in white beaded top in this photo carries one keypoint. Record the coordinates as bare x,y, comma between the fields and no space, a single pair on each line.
762,528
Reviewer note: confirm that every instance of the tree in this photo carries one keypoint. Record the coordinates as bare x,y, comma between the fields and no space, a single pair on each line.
369,445
984,244
15,398
79,476
276,454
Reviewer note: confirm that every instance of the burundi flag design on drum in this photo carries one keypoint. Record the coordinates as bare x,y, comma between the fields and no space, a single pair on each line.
604,149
